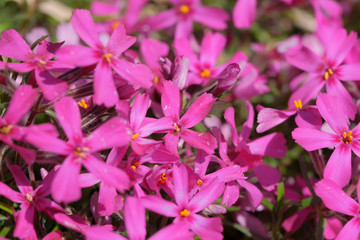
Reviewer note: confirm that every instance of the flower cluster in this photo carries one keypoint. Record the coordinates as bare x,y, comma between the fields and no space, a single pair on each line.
141,124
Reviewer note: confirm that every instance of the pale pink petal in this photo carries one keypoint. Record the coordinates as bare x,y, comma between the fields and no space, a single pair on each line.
108,174
84,25
21,180
160,206
244,13
308,91
306,60
109,201
269,118
335,198
350,231
331,110
68,114
162,20
21,102
332,228
231,193
211,47
51,87
104,87
78,55
55,235
135,221
25,222
338,168
104,8
119,41
207,228
174,231
338,52
138,111
170,100
10,194
88,180
183,48
152,50
204,141
271,145
112,133
183,28
206,196
136,73
212,17
99,232
348,72
12,45
65,187
335,88
197,111
255,195
312,139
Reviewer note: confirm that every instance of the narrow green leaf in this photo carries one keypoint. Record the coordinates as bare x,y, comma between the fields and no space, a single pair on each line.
280,192
6,208
242,229
4,231
267,204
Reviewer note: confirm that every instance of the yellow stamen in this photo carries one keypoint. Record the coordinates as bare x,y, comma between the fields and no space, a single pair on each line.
347,138
42,62
177,127
199,182
205,73
115,24
135,165
184,213
163,178
6,129
184,9
328,73
107,56
134,137
156,79
79,151
298,104
29,198
83,104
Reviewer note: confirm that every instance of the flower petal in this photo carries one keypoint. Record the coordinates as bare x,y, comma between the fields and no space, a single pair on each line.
25,222
78,55
119,41
84,26
170,100
104,88
312,139
269,118
135,221
211,47
204,141
21,180
138,111
207,228
348,72
212,17
255,195
12,45
306,60
160,206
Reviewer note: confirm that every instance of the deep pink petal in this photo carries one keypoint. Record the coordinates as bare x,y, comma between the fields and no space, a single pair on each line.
12,45
197,111
229,116
248,124
51,87
109,201
306,60
204,141
271,145
78,55
309,117
350,231
162,20
335,198
99,232
55,235
331,110
183,28
207,228
27,154
295,221
119,41
84,26
160,206
135,221
68,114
136,73
159,125
10,194
25,222
253,223
65,187
244,13
170,100
180,178
138,111
104,88
113,133
171,143
110,175
21,180
332,228
183,48
21,67
152,50
21,102
255,195
231,193
88,180
341,46
268,176
348,72
174,231
206,196
211,47
269,118
338,168
312,139
212,17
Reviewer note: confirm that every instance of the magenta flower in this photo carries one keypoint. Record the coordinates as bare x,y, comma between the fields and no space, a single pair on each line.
337,200
184,13
185,209
338,168
244,13
12,45
82,150
170,103
328,69
105,57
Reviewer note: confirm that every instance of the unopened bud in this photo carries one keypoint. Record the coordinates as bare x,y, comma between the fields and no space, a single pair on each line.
227,79
180,71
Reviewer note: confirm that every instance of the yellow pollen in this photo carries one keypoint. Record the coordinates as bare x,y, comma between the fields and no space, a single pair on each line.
6,129
135,165
199,182
298,104
163,178
184,9
184,213
347,138
134,137
177,127
328,73
205,73
156,79
107,56
42,62
83,104
80,151
29,198
115,24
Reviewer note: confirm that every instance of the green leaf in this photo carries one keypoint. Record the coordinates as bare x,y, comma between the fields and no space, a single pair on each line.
6,208
267,204
280,193
4,231
242,229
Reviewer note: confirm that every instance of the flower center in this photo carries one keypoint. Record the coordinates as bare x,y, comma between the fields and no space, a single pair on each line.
163,178
184,9
83,104
156,79
346,137
177,128
29,198
205,73
199,182
328,73
115,24
298,104
184,213
6,129
134,137
81,151
107,57
135,165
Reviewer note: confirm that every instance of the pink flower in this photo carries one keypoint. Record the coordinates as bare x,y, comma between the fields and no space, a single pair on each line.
244,13
105,57
184,13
